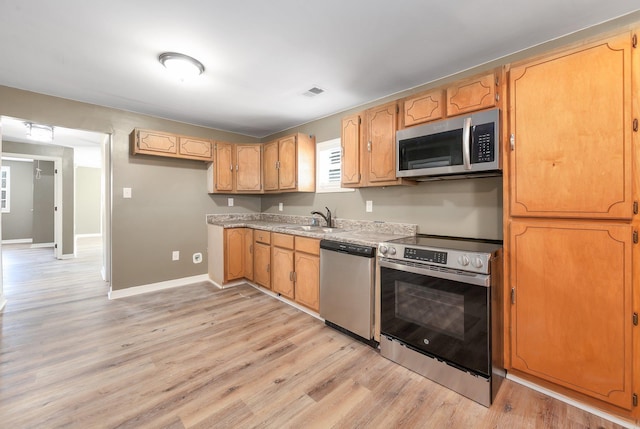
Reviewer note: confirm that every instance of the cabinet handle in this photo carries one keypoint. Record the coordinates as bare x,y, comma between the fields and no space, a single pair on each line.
290,276
231,167
236,167
295,276
466,144
369,146
251,248
268,267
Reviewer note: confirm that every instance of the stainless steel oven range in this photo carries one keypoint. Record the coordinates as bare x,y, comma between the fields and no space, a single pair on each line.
441,311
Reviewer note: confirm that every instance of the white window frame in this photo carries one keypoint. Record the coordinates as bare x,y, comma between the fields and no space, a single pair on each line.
326,182
5,203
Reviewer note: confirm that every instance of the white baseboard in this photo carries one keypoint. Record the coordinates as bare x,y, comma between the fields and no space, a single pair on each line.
97,234
18,241
68,256
573,402
154,287
38,245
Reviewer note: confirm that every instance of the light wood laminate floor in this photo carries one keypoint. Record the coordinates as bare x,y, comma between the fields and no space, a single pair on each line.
200,357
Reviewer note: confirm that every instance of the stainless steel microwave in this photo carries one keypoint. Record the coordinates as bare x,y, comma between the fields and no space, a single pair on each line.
451,148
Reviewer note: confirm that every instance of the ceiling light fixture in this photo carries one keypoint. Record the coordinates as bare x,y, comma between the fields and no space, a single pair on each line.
41,133
181,65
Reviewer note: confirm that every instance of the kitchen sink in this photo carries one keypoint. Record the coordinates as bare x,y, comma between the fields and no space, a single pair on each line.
312,228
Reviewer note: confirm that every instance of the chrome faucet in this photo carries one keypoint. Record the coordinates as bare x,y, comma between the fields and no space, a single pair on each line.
326,218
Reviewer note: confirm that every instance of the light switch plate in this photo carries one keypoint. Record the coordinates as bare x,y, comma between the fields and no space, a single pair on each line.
126,192
175,255
369,207
230,202
280,207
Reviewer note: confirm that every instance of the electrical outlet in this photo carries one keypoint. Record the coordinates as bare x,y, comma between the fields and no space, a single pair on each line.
126,192
197,258
230,202
175,255
369,207
280,207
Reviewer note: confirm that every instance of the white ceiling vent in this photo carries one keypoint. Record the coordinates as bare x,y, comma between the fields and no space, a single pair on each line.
312,92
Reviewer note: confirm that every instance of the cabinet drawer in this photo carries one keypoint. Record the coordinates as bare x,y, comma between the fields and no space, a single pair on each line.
307,245
262,236
282,240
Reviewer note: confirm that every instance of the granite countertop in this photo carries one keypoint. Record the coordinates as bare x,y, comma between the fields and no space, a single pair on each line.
365,233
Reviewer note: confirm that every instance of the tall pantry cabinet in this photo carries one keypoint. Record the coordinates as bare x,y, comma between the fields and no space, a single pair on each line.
571,206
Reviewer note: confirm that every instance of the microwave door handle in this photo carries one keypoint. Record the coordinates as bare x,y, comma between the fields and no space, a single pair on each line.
466,143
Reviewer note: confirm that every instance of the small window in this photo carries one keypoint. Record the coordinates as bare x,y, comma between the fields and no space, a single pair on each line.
5,189
329,167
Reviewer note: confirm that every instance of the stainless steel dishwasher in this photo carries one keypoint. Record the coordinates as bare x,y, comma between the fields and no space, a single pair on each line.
347,288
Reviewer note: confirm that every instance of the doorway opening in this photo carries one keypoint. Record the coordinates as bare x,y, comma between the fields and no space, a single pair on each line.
69,185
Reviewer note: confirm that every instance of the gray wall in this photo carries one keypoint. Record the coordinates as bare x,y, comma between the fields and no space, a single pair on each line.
170,200
88,200
44,203
66,154
18,223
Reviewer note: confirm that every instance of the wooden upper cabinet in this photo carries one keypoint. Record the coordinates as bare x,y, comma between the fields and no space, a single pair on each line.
350,142
423,107
154,143
192,148
381,124
571,124
170,145
223,167
248,172
572,312
236,168
270,166
290,164
472,94
288,167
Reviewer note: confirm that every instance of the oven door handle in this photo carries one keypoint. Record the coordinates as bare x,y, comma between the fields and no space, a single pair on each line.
466,143
471,278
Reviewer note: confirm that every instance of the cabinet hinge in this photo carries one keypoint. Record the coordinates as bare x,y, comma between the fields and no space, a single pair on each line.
635,319
512,141
635,125
497,97
497,81
513,295
634,40
359,120
635,236
635,207
634,399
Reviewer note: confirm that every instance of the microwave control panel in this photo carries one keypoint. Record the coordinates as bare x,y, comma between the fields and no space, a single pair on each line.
483,148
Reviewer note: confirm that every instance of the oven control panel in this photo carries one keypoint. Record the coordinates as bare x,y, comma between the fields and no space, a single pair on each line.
425,255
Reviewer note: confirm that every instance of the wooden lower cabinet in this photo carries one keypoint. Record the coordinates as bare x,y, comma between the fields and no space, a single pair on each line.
307,280
262,258
571,314
282,261
237,254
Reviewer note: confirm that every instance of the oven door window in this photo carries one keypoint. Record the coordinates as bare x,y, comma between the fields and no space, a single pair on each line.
443,318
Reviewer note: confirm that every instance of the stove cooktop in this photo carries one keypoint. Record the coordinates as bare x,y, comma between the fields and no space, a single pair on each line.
450,243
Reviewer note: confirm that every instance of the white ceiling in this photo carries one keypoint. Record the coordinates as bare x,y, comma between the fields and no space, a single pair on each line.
261,56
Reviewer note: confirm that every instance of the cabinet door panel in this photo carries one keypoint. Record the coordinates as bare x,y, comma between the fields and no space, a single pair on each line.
223,166
471,95
571,321
262,264
195,148
307,284
248,253
288,165
282,271
153,142
234,253
423,108
248,172
571,119
270,169
381,136
351,150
